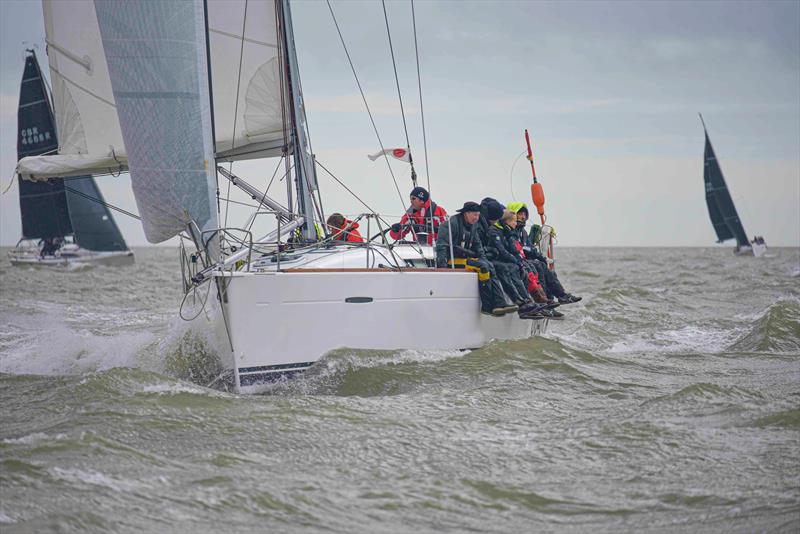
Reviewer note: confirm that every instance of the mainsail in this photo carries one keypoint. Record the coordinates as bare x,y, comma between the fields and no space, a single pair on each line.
720,204
43,205
86,115
251,104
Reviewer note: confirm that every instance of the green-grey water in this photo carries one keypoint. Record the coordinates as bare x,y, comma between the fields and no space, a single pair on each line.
667,401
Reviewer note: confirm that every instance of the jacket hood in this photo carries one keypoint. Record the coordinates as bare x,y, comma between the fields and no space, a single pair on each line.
516,206
491,209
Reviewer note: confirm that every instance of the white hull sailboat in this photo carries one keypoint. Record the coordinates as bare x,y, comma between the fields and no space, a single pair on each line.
189,85
351,302
28,253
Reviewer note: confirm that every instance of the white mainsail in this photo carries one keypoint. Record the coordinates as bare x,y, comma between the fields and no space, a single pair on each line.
156,54
90,139
251,103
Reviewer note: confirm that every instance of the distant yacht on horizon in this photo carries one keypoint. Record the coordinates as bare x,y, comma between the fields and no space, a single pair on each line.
61,223
724,216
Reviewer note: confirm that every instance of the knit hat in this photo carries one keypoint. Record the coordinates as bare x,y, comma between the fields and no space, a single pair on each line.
470,206
420,193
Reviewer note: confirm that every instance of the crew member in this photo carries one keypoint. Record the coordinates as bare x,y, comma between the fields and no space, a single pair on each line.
421,219
343,229
460,246
547,277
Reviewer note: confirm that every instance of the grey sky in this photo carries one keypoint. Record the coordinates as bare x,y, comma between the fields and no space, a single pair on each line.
610,92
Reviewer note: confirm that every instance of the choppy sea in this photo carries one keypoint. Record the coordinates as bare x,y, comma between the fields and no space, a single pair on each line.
668,400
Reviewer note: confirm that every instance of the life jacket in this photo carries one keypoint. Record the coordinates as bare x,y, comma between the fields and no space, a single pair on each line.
348,232
297,235
420,221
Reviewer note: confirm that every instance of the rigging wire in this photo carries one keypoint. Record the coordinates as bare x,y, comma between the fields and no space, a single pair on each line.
511,175
324,168
397,83
421,109
10,183
366,105
101,202
235,111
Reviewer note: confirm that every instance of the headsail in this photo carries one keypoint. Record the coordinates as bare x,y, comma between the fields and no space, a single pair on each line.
43,205
720,204
92,222
156,54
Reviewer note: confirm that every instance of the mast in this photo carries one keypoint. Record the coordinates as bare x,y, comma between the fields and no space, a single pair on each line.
305,171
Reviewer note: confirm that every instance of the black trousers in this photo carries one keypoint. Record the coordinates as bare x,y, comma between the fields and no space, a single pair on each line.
489,287
511,280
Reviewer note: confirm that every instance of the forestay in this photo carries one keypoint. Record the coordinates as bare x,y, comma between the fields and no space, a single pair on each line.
156,54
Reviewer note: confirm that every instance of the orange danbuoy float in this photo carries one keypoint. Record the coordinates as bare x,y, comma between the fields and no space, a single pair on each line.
537,195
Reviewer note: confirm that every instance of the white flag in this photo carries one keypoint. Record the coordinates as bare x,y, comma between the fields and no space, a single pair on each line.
399,153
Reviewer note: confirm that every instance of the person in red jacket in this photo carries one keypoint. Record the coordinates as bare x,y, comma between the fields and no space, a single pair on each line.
343,229
423,217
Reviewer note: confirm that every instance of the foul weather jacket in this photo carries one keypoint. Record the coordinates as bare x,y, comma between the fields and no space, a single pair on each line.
421,220
501,246
348,232
466,241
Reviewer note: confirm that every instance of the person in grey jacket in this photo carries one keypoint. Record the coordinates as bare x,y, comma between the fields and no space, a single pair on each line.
459,245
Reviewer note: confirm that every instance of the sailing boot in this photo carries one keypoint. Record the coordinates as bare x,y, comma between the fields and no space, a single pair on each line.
499,305
569,298
487,298
552,314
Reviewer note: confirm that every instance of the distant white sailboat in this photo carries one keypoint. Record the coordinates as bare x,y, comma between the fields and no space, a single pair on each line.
62,224
199,83
724,216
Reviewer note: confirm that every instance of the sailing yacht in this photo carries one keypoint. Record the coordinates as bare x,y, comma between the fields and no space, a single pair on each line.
182,87
62,223
724,216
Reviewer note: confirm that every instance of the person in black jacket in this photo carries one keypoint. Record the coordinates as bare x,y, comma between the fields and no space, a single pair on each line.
547,277
507,271
507,265
459,245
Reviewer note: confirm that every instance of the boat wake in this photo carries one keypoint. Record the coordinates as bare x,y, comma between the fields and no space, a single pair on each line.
62,349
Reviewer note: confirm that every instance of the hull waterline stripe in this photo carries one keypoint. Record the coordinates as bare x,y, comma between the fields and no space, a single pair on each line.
274,368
